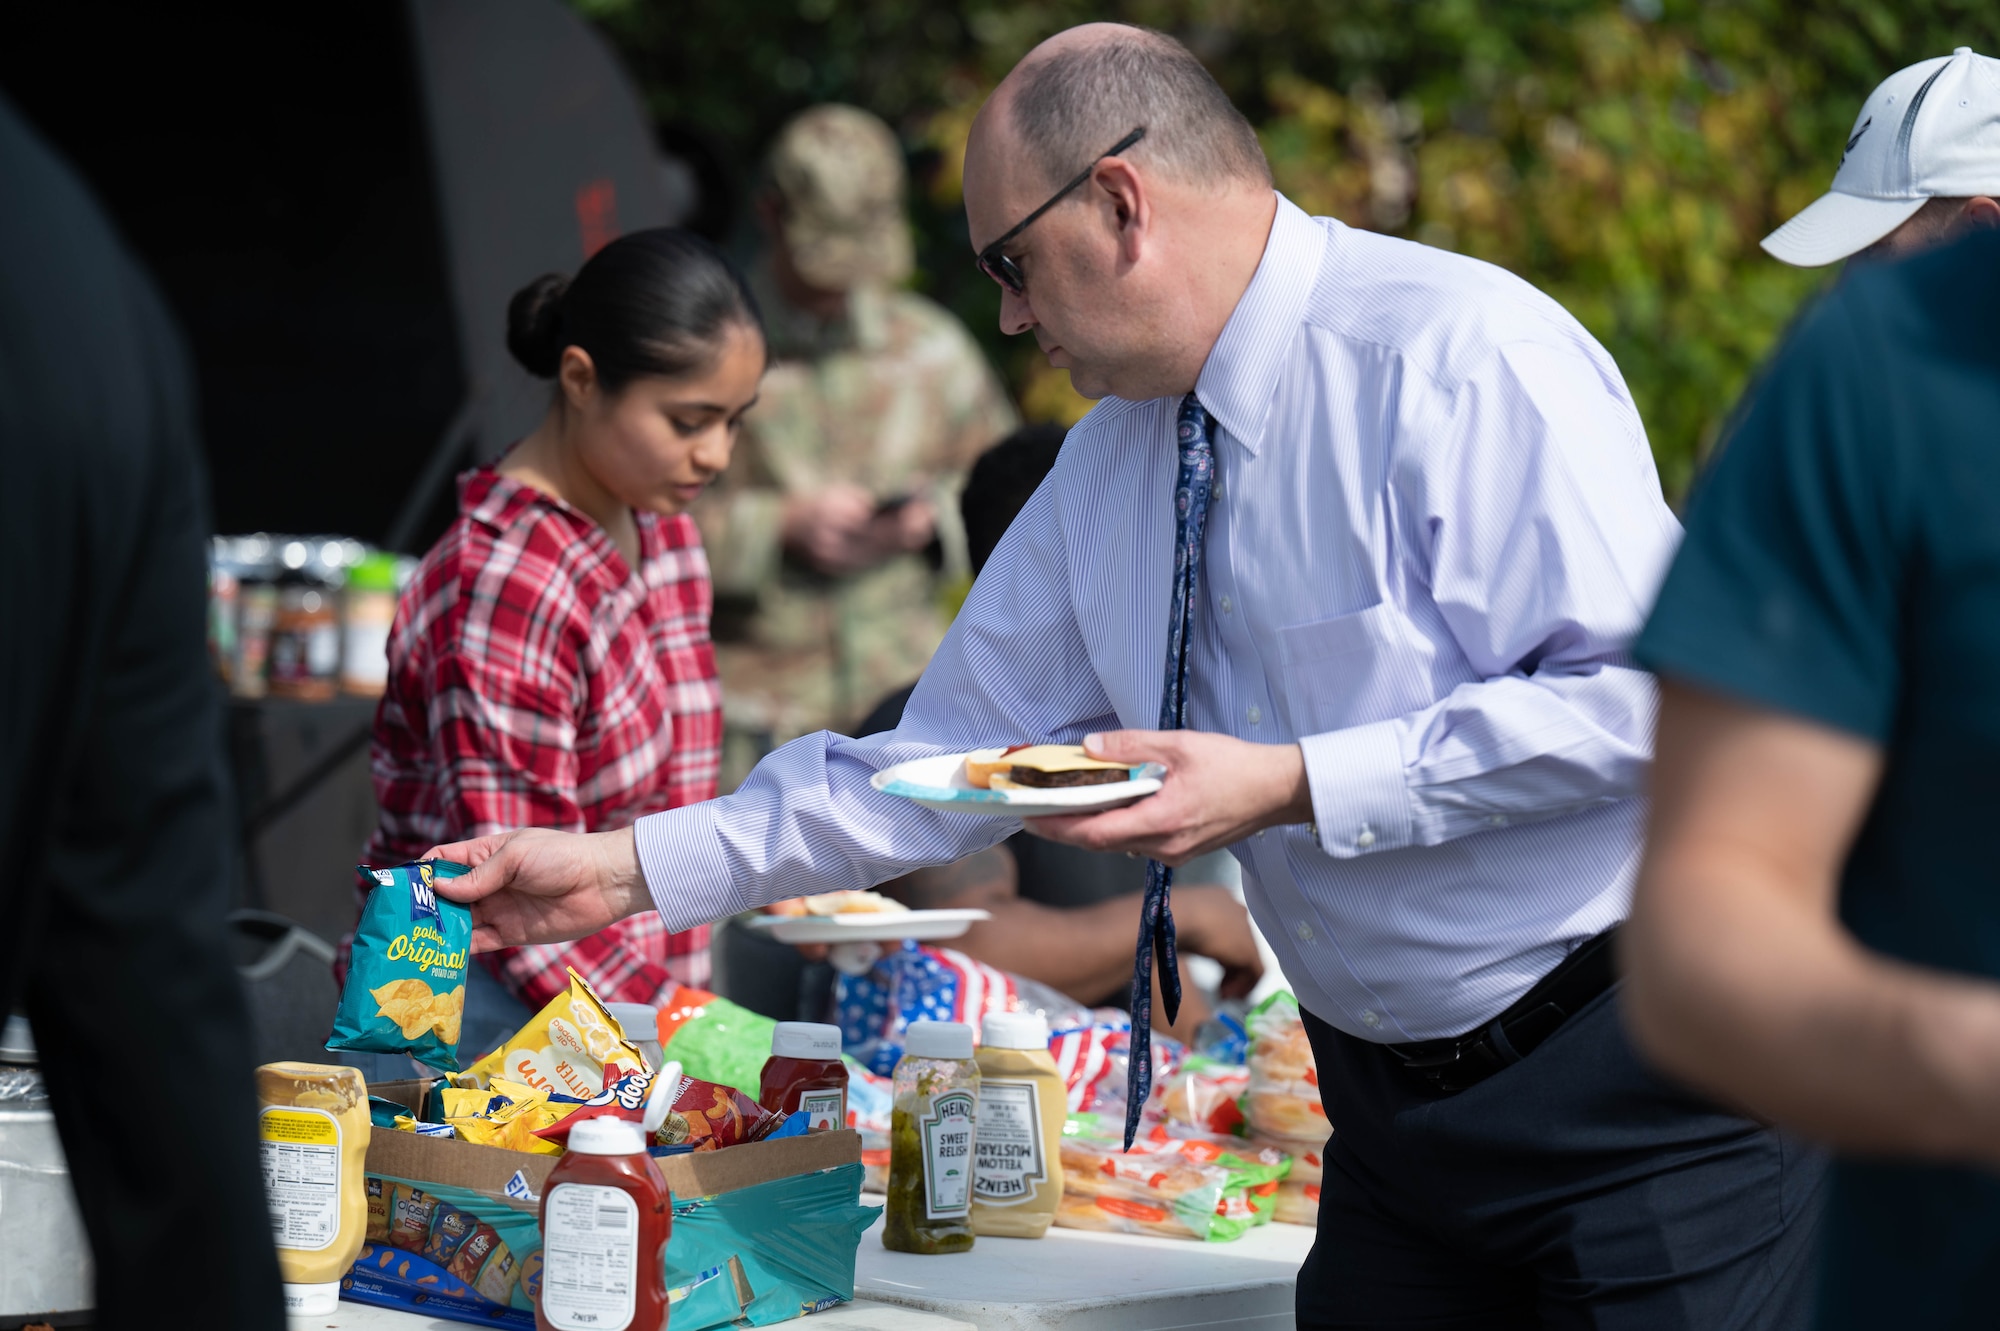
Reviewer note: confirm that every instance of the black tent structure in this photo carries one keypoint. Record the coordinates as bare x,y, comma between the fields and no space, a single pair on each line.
337,203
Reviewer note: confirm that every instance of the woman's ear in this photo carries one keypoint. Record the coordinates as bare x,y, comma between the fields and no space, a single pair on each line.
578,377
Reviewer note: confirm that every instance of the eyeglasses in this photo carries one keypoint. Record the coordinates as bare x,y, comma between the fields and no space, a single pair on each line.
1003,269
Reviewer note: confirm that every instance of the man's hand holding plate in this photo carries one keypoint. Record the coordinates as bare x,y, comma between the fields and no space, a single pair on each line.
1217,791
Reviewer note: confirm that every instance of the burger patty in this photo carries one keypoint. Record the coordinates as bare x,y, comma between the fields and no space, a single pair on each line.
1087,776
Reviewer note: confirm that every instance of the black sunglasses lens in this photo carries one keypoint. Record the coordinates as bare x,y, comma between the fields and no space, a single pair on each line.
1004,271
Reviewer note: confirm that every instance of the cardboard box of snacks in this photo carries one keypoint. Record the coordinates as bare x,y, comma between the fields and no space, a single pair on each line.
763,1232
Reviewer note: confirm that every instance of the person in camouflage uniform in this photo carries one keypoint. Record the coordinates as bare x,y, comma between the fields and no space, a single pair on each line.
836,529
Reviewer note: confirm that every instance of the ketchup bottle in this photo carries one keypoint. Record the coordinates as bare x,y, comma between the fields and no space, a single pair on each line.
606,1219
804,1071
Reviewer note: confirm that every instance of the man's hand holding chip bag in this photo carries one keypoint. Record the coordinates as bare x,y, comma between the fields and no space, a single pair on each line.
538,886
405,986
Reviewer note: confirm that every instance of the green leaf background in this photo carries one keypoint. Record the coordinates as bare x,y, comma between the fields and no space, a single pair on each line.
1624,157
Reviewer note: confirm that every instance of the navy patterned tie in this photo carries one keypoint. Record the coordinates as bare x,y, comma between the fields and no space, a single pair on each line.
1156,917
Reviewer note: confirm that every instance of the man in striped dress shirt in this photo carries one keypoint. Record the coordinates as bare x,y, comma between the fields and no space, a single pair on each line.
1410,707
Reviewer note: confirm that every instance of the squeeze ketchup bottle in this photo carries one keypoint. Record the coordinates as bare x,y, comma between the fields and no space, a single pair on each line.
606,1219
804,1072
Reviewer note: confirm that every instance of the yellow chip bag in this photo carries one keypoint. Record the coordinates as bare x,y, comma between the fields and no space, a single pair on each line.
564,1051
455,1103
505,1120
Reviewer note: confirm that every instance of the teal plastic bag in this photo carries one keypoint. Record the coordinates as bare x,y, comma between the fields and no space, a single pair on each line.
794,1238
405,987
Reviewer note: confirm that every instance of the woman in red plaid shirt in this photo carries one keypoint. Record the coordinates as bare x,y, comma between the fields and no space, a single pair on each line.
550,665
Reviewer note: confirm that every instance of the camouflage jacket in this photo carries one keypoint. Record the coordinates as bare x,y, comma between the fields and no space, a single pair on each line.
897,399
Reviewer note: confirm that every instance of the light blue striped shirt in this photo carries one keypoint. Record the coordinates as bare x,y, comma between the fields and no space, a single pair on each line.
1436,530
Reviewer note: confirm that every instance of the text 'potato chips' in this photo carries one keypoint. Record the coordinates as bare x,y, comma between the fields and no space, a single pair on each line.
405,990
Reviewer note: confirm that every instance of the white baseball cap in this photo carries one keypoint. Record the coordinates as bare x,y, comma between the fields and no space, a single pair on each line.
1929,131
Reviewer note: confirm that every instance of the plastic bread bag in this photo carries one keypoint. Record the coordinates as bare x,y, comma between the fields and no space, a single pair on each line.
564,1050
1177,1187
1297,1204
1094,1059
1283,1098
1308,1157
1204,1094
405,986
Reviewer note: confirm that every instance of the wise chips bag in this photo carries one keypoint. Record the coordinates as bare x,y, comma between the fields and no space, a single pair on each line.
405,990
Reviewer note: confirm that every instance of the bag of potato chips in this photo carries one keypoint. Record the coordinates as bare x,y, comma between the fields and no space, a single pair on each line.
405,990
566,1051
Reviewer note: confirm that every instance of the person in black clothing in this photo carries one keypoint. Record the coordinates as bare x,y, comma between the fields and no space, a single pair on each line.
1064,916
1815,934
113,816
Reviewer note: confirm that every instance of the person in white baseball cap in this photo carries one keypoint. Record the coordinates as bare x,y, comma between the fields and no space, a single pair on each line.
1922,165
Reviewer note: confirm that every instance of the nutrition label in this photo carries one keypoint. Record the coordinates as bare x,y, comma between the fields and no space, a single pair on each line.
301,1150
590,1257
1009,1161
828,1109
947,1132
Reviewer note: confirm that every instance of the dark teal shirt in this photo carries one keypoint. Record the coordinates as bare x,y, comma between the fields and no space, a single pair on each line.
1842,563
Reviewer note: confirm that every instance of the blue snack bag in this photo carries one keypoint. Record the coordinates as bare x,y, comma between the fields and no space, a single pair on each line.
405,990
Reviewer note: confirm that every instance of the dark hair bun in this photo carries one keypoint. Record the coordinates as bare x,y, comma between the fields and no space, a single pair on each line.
534,325
656,302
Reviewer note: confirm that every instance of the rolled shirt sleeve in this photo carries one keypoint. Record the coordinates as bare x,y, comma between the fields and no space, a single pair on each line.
1528,536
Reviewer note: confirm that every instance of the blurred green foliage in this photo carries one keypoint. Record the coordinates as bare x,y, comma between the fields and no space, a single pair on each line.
1625,157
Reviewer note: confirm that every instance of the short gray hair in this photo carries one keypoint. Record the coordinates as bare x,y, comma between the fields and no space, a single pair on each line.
1074,104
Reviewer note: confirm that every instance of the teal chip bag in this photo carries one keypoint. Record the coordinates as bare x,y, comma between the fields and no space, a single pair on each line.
405,990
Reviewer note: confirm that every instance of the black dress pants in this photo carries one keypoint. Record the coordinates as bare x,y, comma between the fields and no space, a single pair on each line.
1575,1189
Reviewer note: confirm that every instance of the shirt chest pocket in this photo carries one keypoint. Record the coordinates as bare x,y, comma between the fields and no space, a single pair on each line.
1350,670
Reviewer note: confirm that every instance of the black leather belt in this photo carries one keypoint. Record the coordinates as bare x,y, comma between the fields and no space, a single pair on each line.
1452,1065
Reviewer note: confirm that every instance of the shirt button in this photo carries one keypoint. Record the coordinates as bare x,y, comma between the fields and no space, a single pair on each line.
1370,1018
1227,605
1366,838
1304,931
1256,714
1497,820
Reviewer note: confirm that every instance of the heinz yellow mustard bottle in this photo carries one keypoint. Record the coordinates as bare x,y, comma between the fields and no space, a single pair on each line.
312,1130
1017,1178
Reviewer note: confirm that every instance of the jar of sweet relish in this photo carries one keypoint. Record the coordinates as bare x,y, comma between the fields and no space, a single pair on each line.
932,1126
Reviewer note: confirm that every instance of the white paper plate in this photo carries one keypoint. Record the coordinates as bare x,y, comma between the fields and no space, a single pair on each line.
922,925
939,783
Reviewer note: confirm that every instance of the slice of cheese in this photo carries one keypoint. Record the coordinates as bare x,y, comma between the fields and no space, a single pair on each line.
1061,758
987,768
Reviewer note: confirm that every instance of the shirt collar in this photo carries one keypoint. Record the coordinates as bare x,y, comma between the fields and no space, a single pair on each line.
499,502
1240,377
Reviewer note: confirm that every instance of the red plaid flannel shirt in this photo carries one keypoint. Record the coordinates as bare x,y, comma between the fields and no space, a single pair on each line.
534,683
